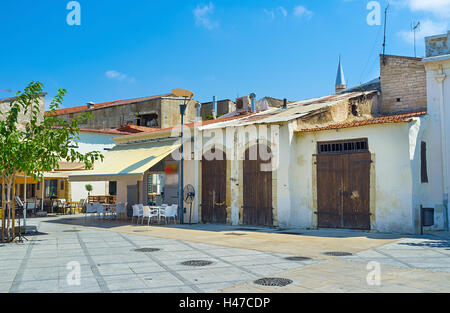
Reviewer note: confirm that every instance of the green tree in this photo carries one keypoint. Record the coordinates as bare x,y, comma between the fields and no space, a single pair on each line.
89,189
33,142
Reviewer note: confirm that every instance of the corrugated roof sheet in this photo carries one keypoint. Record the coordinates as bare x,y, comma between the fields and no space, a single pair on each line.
294,111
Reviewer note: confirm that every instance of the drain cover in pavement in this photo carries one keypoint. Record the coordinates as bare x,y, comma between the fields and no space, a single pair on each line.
140,231
273,282
297,258
234,234
197,263
147,250
71,231
338,253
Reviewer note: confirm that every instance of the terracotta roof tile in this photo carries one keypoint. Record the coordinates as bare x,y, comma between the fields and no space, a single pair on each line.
397,118
132,129
202,123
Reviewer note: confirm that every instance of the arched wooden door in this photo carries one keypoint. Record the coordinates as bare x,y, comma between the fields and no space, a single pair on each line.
258,210
214,189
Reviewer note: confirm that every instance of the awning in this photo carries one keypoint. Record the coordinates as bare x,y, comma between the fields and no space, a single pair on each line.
127,162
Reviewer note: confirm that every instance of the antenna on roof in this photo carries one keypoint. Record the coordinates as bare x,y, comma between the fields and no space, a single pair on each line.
7,90
384,39
415,27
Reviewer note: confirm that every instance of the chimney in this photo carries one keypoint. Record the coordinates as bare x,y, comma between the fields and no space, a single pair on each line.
252,101
214,112
90,105
285,104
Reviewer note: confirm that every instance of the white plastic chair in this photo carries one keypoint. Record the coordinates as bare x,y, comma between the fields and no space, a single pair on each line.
90,209
138,212
149,213
171,212
119,210
99,209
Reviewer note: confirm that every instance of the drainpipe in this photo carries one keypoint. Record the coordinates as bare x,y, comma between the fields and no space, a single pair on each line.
440,78
214,107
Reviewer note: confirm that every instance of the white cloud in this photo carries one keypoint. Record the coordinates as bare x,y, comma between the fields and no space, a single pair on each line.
427,28
302,12
440,8
112,74
202,16
272,13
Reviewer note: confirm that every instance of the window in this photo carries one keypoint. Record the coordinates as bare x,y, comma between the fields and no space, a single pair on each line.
61,185
149,120
423,162
51,188
113,188
339,147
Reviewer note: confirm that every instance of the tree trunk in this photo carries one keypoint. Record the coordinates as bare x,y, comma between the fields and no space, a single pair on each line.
13,209
3,209
8,206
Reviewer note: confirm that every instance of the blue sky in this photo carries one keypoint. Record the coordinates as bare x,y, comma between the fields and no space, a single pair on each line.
127,49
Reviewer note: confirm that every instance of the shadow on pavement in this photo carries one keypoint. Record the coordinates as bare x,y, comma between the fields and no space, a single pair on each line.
226,229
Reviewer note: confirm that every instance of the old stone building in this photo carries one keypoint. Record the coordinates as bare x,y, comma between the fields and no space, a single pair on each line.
5,107
222,107
162,111
403,84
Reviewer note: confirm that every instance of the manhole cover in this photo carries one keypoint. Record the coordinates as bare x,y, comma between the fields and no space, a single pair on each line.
71,231
147,250
297,258
273,282
140,231
234,234
197,263
338,253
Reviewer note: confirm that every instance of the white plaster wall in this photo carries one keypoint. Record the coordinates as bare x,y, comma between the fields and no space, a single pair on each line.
394,187
78,190
433,134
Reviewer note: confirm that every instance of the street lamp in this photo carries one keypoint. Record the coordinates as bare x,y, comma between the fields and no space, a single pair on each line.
187,96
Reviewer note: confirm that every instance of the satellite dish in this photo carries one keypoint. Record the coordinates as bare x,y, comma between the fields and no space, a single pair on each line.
183,93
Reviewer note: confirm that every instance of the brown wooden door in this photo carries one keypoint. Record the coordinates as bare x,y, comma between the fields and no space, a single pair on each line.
343,190
214,192
258,209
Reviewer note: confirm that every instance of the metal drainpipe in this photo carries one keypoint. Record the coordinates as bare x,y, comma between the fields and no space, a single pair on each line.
440,79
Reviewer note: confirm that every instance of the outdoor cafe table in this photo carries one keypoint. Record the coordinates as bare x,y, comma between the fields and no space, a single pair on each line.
158,209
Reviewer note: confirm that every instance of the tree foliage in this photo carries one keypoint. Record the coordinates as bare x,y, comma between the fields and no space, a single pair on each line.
36,144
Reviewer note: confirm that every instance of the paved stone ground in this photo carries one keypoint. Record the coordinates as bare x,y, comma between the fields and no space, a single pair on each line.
108,261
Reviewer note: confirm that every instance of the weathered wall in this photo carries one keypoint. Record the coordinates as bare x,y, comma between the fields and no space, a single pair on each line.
438,80
403,84
393,194
167,109
223,107
5,107
438,45
170,112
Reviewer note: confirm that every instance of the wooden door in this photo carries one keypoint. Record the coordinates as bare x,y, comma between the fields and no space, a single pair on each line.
343,190
258,210
214,190
356,198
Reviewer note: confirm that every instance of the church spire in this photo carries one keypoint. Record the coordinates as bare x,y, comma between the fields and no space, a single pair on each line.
341,85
